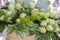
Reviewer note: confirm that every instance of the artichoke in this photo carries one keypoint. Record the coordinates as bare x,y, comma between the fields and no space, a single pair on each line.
18,20
35,10
2,17
18,6
43,15
11,7
51,21
34,16
23,15
31,5
43,23
8,13
49,28
42,30
55,26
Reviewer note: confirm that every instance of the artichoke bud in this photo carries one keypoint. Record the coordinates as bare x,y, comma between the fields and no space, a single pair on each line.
23,15
42,30
49,28
51,21
35,11
34,16
43,15
9,13
28,22
31,5
43,23
47,20
11,7
2,17
57,29
18,20
18,6
8,19
55,26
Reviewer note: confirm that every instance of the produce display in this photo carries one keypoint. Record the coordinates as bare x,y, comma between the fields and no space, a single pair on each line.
30,20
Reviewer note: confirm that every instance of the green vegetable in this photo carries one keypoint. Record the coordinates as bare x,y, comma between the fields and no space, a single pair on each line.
2,26
34,16
49,28
2,12
51,21
14,16
55,25
42,30
35,11
18,20
6,18
43,15
47,20
8,13
23,15
18,6
2,17
11,7
31,5
30,19
43,23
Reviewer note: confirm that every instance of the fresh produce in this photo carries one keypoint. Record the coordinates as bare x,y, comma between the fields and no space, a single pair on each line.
18,20
2,12
18,6
34,16
2,17
35,11
31,5
55,15
23,15
49,28
42,30
11,7
51,21
31,20
43,23
43,15
8,13
55,25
